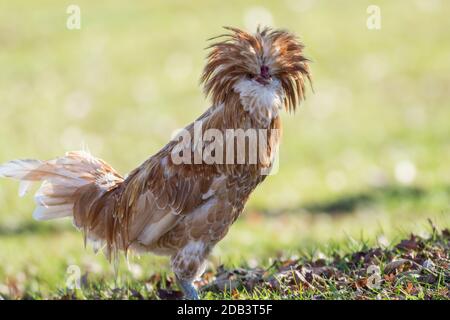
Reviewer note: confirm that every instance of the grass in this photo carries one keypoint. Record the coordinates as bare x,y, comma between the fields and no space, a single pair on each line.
415,268
363,163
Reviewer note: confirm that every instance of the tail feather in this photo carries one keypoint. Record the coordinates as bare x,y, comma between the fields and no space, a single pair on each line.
61,178
18,169
24,187
52,212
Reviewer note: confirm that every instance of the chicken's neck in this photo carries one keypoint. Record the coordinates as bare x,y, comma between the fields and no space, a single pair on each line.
261,102
248,119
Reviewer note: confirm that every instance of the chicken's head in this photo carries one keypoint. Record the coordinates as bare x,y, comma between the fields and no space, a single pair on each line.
265,62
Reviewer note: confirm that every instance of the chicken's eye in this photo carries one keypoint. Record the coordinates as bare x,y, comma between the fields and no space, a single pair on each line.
250,75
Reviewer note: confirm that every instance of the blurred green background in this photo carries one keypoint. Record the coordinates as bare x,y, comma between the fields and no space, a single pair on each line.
364,161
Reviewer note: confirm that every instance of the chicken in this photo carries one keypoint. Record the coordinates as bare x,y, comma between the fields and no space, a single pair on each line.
182,200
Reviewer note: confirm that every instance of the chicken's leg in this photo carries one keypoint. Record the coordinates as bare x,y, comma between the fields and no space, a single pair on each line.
188,288
188,264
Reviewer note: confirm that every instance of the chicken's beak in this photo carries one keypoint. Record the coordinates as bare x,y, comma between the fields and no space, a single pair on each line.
264,77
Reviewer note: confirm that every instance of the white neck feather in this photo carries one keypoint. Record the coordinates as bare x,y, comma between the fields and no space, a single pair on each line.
262,102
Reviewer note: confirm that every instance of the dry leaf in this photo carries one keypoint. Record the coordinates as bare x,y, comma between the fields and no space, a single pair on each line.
394,265
389,277
361,283
170,294
410,288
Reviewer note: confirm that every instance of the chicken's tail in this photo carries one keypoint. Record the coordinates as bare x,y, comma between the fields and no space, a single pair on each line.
66,181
